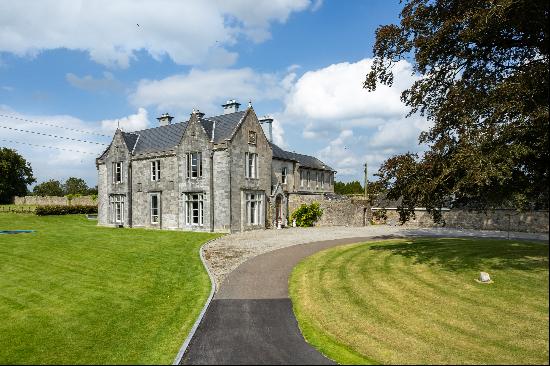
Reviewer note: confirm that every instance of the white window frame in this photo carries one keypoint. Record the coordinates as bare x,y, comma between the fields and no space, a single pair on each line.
191,199
251,165
194,165
284,177
154,211
118,172
155,170
116,203
254,208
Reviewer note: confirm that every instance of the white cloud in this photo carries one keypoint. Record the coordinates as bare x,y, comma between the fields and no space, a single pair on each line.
355,126
89,83
206,89
47,160
189,32
133,122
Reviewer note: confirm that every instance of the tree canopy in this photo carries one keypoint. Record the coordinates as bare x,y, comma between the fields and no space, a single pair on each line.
75,185
15,175
49,188
483,83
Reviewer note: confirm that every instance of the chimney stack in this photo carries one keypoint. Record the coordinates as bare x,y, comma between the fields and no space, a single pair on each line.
266,122
231,106
165,119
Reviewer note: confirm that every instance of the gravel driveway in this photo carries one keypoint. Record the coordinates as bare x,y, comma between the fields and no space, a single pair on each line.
228,252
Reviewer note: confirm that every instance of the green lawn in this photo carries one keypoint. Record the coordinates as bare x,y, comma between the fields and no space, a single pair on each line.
416,302
76,293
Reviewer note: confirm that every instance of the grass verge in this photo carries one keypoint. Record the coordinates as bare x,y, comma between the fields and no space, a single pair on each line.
75,293
416,302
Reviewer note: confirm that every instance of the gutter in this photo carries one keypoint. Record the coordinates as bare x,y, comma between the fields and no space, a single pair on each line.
193,330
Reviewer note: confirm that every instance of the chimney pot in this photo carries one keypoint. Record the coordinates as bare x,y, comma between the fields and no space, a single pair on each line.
165,119
231,106
266,122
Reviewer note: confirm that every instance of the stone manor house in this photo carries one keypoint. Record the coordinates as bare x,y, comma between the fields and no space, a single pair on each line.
220,173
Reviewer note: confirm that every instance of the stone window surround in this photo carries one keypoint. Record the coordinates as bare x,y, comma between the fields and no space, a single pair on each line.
118,172
251,165
155,170
194,169
284,177
154,212
190,199
254,206
116,207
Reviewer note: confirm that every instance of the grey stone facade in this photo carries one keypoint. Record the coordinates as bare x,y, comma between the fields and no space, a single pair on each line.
238,184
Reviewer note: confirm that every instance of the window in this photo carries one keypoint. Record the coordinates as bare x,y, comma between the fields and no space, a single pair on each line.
194,165
316,179
252,137
194,205
155,208
302,177
322,180
117,208
283,176
117,172
251,165
254,208
308,179
155,170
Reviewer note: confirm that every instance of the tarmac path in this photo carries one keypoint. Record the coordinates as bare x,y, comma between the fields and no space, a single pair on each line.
250,319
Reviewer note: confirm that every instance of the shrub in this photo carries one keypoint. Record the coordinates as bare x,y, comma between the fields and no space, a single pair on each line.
65,210
307,215
379,216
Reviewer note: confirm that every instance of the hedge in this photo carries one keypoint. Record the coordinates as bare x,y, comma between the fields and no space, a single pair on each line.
65,210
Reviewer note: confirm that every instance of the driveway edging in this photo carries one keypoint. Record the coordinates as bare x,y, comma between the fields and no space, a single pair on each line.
185,344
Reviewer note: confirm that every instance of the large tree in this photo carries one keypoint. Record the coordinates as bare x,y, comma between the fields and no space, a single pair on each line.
75,185
15,175
49,188
483,83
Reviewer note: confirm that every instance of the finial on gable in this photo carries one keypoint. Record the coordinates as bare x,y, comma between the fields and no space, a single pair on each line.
250,103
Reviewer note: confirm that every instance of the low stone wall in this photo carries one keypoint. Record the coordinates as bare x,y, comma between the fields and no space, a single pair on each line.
336,212
504,220
54,200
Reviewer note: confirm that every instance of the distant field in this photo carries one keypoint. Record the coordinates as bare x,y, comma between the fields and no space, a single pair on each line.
73,292
416,302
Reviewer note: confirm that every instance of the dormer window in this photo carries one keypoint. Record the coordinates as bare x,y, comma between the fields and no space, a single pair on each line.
252,137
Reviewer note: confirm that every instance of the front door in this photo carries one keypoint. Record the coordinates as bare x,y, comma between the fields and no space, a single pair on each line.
278,210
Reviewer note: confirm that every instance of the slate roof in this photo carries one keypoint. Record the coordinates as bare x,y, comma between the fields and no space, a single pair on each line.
160,138
164,138
304,160
225,125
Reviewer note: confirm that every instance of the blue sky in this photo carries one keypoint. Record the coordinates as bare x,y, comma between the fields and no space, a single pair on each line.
85,65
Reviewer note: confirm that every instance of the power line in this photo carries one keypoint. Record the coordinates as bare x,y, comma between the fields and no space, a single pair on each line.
54,125
50,135
49,147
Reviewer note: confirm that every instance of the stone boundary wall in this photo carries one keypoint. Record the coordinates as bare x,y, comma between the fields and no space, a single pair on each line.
54,200
503,220
336,212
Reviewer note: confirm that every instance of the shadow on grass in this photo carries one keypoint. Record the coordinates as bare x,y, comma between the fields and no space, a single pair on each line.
460,254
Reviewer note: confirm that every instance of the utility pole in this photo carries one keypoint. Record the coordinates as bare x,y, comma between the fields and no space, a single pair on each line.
366,183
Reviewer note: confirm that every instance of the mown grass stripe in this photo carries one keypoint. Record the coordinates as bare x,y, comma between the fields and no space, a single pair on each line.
356,297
